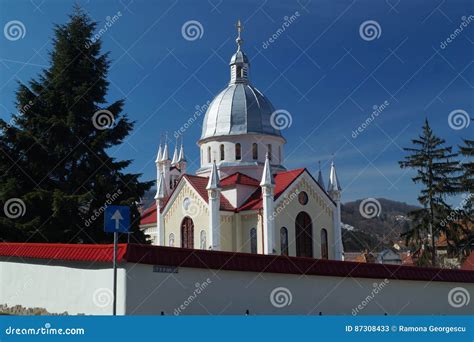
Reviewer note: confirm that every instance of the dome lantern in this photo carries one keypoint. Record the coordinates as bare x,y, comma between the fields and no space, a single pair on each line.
239,63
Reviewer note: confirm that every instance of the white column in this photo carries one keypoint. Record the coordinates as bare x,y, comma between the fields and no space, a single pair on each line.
214,219
338,249
214,199
268,220
160,224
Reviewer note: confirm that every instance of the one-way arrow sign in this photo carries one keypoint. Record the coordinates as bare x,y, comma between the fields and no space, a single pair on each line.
117,219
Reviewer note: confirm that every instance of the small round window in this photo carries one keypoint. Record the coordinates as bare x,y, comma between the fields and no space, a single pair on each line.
303,198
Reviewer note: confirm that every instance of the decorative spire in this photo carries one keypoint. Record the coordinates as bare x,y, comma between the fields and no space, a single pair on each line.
333,180
320,177
175,153
159,155
160,187
165,155
267,177
214,182
181,157
239,40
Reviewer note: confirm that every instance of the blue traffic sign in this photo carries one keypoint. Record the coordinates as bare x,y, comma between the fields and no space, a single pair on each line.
117,219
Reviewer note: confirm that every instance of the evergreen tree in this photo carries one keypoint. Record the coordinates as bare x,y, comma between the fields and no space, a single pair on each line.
462,222
467,166
436,169
54,152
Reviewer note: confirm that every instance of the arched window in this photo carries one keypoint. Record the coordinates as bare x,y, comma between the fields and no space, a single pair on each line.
324,244
222,151
269,150
239,71
255,151
284,241
304,235
253,241
209,154
187,233
171,240
203,239
238,152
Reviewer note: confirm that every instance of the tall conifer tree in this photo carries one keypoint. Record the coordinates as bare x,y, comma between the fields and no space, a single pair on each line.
54,155
436,169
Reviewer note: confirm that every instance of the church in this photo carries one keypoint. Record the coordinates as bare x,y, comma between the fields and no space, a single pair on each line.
242,198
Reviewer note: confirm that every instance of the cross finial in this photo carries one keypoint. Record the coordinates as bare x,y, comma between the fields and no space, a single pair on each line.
240,27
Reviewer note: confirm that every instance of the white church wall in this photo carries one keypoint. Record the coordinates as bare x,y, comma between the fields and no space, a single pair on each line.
319,208
248,221
59,286
238,193
175,213
246,142
227,236
233,292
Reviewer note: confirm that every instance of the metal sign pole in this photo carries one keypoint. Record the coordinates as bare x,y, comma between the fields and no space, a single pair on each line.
116,220
115,273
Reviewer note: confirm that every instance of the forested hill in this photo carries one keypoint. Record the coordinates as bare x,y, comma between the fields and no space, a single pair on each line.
377,232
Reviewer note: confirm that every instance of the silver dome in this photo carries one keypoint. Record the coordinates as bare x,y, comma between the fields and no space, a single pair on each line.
238,109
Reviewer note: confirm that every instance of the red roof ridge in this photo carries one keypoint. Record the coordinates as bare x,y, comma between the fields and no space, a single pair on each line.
231,261
239,178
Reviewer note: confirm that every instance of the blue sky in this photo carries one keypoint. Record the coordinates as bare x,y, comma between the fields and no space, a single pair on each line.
320,70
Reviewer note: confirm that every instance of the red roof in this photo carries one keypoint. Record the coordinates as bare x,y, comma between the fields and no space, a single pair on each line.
182,257
58,251
282,181
468,264
239,178
199,184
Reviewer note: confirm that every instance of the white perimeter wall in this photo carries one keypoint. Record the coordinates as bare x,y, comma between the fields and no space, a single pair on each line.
75,287
232,292
85,288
